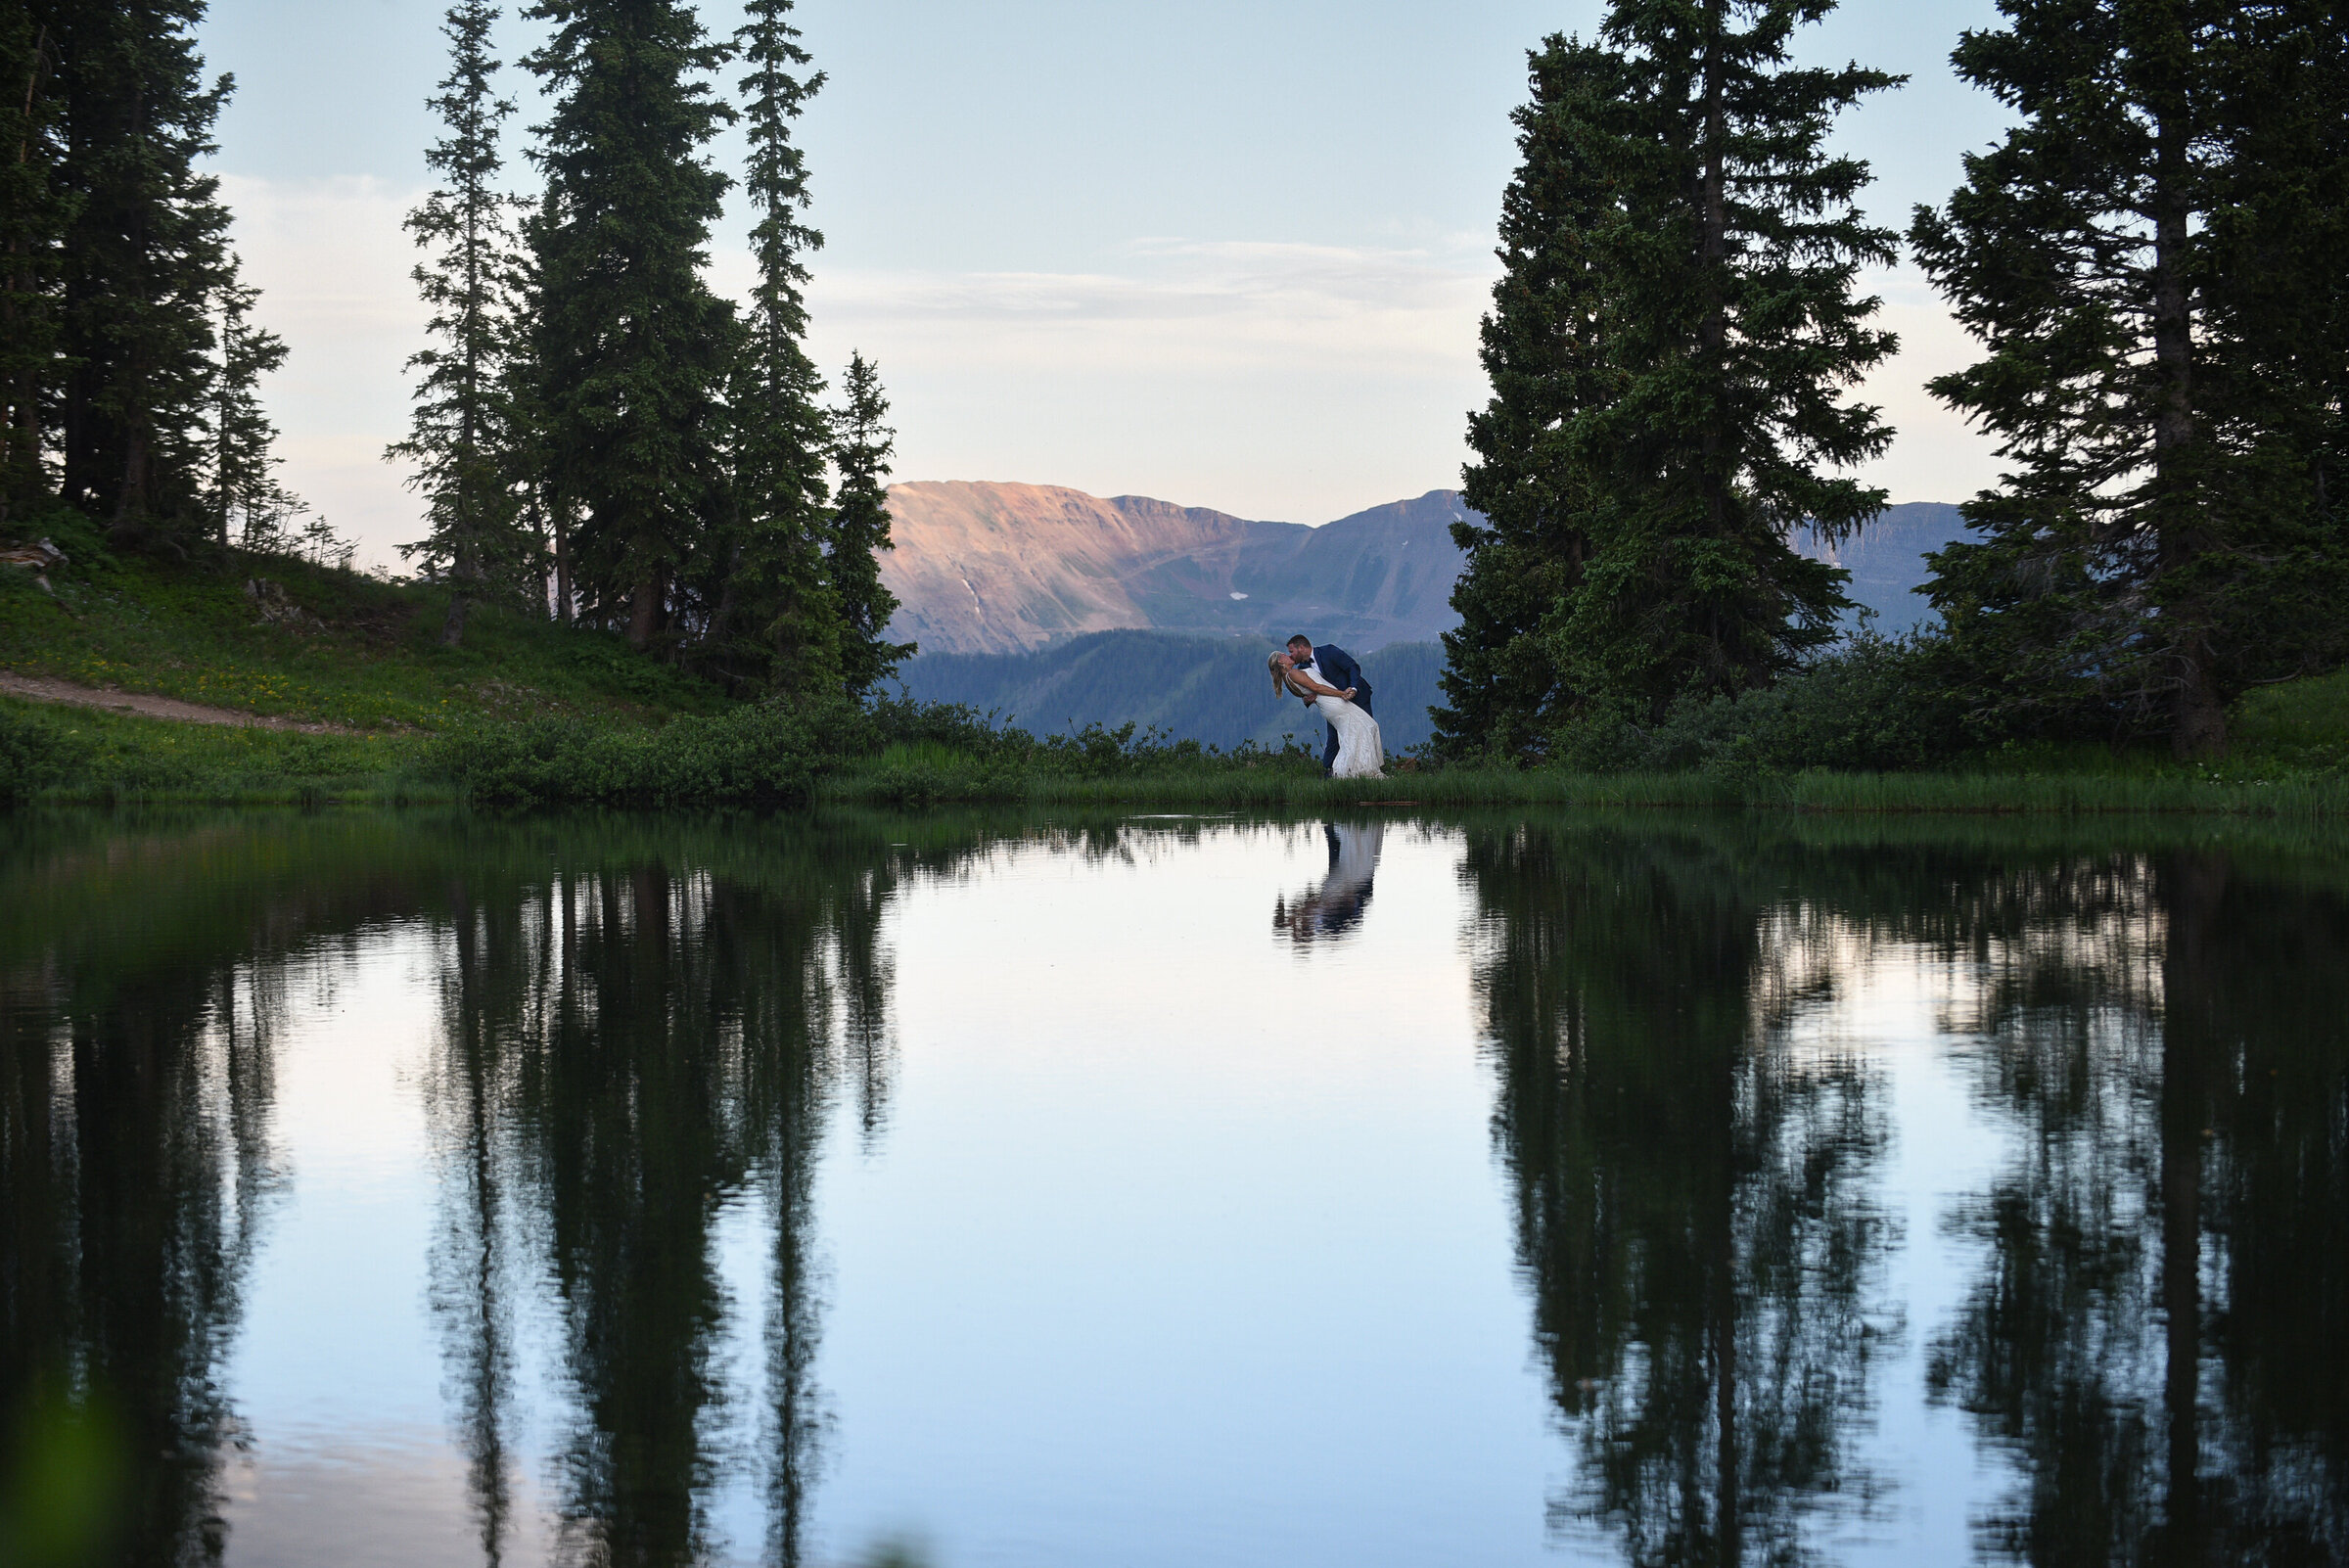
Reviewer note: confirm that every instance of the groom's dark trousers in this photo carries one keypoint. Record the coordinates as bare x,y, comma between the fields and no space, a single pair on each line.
1339,670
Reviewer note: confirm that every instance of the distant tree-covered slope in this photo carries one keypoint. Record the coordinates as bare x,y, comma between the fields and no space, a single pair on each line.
1207,689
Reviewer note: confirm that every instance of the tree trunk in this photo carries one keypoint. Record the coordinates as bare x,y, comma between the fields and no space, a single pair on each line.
562,522
644,610
453,627
1713,331
2199,718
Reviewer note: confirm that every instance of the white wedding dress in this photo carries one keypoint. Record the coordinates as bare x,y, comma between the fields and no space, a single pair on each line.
1360,751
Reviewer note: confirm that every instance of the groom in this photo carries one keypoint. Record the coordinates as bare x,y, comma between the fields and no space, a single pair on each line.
1333,665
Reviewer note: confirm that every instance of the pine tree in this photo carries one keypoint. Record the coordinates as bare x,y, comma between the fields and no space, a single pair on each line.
776,624
33,215
250,508
2152,260
1541,349
143,260
863,444
1670,353
1731,331
633,348
463,435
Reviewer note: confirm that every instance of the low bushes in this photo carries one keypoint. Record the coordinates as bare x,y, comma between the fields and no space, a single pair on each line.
753,755
1870,708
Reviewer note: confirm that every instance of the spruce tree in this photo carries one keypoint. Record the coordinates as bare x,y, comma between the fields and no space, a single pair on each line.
1671,348
1504,691
863,444
1732,330
248,505
463,434
2152,260
634,350
142,263
33,215
775,622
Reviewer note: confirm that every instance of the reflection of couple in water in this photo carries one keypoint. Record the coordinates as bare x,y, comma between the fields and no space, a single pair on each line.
1335,907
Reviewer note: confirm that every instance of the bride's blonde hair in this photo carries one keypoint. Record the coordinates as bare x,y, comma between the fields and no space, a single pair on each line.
1280,676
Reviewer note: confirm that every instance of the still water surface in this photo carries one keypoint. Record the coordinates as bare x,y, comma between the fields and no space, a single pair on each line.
1175,1191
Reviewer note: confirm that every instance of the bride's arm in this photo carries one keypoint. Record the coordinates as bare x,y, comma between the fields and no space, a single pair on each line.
1307,685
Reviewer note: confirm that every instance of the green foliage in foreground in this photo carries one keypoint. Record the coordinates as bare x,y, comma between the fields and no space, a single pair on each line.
1751,753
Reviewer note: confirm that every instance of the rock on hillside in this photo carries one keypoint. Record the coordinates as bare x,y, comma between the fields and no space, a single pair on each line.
992,568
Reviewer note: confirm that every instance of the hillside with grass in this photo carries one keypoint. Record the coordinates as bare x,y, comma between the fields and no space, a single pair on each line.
283,637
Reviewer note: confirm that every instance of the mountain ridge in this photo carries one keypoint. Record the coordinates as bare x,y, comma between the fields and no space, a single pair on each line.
991,566
985,566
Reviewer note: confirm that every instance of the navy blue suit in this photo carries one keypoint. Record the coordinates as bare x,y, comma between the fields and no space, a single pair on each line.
1337,668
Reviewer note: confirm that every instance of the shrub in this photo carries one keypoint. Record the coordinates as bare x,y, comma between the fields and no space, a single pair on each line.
752,754
35,752
1871,706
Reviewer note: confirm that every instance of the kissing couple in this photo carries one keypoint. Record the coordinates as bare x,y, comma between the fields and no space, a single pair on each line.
1332,686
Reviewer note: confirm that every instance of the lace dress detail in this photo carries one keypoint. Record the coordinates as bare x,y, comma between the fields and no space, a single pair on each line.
1360,755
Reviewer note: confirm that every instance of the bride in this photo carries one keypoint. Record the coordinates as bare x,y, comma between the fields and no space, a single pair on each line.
1360,754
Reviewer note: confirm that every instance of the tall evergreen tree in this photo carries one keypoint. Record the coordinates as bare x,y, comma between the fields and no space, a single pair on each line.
1541,349
864,446
143,260
2153,260
1696,250
633,348
463,433
776,624
33,215
247,504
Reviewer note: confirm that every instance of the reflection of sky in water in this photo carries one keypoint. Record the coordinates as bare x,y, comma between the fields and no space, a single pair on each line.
1172,1244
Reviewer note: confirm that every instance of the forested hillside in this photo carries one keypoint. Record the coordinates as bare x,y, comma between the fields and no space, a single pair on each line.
1212,690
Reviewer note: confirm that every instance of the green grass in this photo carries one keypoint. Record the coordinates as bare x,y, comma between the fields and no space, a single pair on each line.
371,660
80,755
2301,723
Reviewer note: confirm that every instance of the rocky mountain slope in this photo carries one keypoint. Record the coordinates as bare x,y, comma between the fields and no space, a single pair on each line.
996,569
1887,561
992,568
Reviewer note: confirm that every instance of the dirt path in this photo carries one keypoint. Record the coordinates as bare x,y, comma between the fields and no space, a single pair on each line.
47,689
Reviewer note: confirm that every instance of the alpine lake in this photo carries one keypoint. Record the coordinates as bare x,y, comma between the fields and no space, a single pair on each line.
1705,1187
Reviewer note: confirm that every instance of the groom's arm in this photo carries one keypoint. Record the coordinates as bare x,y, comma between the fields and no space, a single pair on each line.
1348,669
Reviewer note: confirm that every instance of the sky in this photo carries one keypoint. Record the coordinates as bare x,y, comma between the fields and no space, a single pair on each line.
1227,254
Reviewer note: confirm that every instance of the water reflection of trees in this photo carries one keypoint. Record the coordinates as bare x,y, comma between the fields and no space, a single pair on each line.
2156,1338
143,986
643,1024
629,1050
1693,1201
2156,1341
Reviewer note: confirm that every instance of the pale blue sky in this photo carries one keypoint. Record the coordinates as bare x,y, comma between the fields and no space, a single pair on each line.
1229,254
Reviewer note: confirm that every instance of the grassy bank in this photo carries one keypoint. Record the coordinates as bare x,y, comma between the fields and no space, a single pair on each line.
319,645
774,759
81,756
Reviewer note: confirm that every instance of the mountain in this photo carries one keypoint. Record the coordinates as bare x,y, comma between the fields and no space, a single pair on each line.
996,569
1887,561
1209,689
